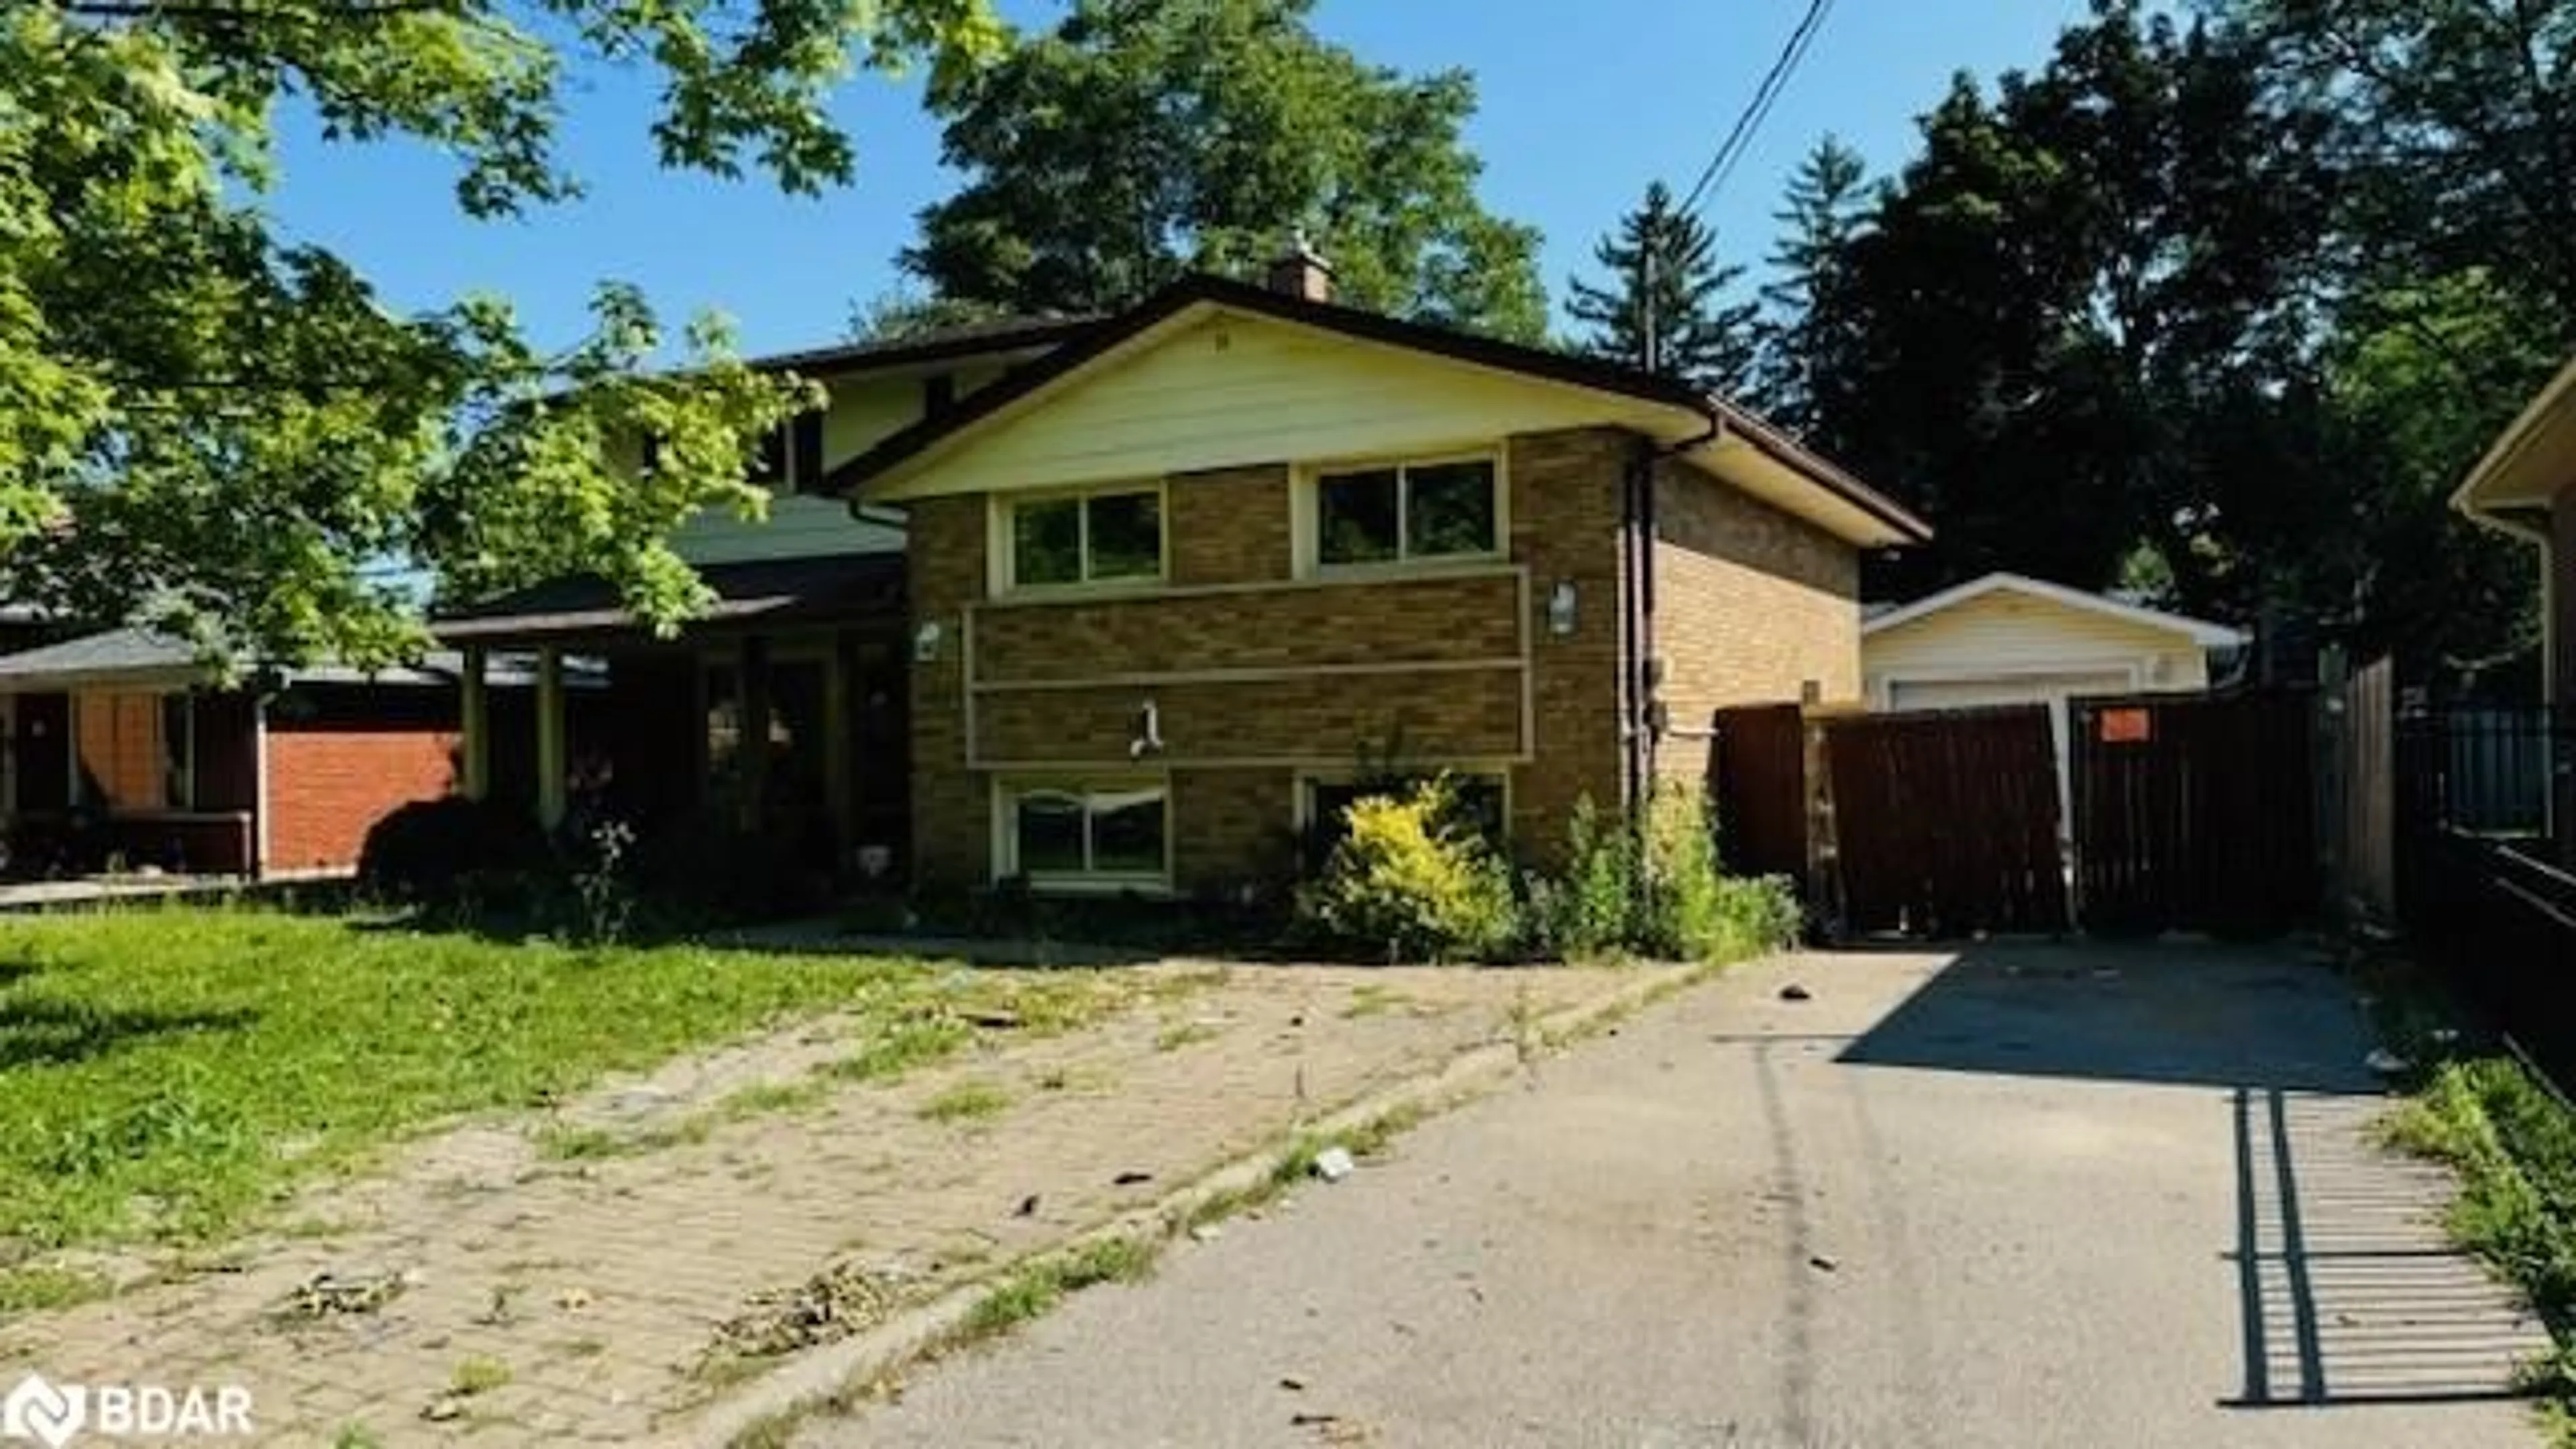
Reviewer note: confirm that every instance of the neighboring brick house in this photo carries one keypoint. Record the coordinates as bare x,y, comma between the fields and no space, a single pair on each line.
121,750
1131,601
2525,487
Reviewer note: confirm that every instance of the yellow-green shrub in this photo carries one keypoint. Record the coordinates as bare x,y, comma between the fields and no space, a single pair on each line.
1407,883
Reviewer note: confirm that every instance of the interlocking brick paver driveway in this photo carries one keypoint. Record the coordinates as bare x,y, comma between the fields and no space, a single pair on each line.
597,1288
2033,1197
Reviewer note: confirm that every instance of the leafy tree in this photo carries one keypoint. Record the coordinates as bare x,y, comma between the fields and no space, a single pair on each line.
2455,131
1809,338
2422,379
1664,271
904,313
208,428
2078,321
1139,139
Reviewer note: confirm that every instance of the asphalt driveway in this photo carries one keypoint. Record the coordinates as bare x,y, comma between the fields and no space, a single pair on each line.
2090,1196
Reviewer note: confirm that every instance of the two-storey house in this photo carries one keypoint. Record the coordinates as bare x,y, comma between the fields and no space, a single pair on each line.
1169,581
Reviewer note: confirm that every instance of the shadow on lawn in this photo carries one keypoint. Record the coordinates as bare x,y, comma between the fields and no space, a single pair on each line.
54,1033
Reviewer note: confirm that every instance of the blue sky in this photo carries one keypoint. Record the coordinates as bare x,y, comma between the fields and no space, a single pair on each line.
1582,104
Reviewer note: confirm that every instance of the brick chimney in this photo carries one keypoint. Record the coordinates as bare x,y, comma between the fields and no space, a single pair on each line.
1301,272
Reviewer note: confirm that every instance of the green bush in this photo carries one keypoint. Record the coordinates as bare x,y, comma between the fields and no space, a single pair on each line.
437,852
1407,883
1651,887
1586,914
702,869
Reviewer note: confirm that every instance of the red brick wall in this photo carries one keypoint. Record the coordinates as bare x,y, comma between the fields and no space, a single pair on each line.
327,783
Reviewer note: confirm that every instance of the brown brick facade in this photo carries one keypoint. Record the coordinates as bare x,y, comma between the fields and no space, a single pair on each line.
1232,829
1229,527
1236,734
1565,528
1752,606
951,813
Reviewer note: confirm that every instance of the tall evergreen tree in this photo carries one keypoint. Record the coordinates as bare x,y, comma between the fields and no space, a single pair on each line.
1809,329
1699,334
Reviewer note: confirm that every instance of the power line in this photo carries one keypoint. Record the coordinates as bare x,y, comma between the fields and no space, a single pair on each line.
1731,150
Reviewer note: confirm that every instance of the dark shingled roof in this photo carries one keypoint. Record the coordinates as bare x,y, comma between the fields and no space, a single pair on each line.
936,344
764,591
1097,340
142,656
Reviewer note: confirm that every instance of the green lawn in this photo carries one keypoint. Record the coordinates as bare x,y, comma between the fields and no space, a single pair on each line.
166,1074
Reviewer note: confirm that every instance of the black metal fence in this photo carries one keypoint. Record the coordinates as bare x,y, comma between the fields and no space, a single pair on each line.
2486,892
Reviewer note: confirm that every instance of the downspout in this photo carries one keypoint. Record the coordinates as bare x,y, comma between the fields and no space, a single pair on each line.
1643,717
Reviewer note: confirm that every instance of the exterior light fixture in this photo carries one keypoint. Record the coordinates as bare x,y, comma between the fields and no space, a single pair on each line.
925,643
1561,609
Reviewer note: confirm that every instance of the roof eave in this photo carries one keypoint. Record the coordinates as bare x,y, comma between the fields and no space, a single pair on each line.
911,449
2202,632
2499,482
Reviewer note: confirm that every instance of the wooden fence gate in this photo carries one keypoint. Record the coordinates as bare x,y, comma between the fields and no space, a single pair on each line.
2195,812
1757,768
1945,823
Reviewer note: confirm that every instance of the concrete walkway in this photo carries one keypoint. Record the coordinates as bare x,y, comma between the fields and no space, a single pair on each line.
2035,1197
486,1290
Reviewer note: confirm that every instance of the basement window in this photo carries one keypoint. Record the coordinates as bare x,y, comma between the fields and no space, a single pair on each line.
1408,512
1108,833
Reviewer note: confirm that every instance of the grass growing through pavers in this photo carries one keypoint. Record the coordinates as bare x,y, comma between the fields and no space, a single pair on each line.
973,1100
1183,1034
170,1073
480,1374
1037,1286
2512,1143
37,1287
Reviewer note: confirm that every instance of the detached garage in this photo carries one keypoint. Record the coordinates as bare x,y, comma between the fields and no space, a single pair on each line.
2007,639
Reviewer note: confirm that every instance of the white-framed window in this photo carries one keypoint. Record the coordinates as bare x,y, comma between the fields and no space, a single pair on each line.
1106,832
1413,511
1099,536
1483,794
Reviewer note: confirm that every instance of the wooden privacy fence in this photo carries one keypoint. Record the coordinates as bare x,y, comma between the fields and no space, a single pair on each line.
2195,812
1757,775
1945,823
2357,792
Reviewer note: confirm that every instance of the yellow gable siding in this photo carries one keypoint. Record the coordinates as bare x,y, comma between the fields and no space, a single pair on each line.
1234,391
866,413
2011,633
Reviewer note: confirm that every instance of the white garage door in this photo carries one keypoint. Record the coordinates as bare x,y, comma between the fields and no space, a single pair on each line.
2049,689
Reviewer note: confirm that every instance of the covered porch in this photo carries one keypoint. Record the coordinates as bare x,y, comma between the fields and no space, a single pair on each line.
780,715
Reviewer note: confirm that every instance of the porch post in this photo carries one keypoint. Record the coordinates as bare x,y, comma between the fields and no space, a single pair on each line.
477,722
550,737
755,731
838,719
